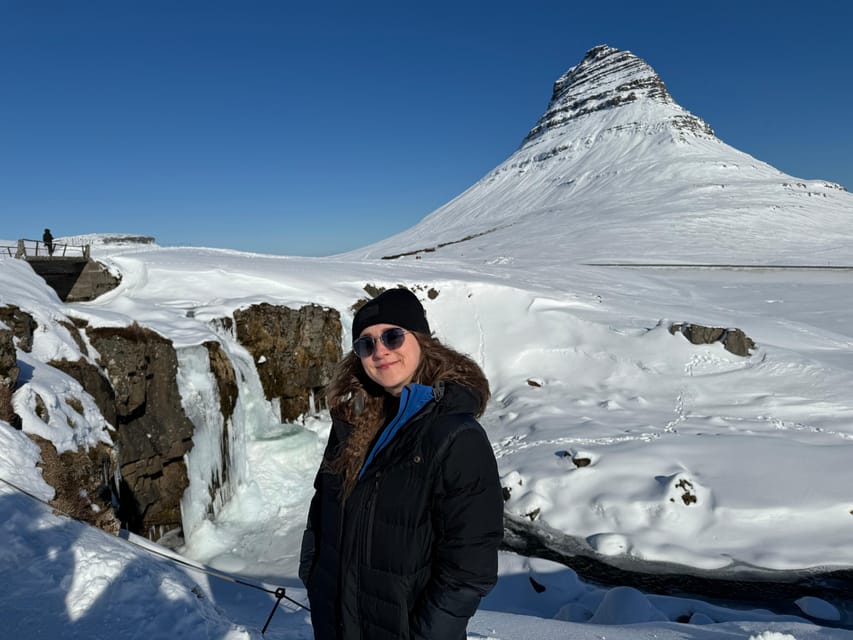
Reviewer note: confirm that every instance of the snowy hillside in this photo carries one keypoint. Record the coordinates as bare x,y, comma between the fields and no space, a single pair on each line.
615,157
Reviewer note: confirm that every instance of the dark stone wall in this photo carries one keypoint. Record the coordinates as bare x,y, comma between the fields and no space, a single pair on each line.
152,431
8,376
22,325
226,379
74,279
295,352
82,480
94,382
94,280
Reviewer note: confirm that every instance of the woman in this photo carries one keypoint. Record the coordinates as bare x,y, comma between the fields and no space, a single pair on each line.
406,520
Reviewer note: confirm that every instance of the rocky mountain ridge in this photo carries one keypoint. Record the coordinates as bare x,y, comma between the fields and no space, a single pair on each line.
614,161
607,78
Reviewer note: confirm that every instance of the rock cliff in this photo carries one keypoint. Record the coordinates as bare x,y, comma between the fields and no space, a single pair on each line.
152,431
8,375
21,325
295,351
607,79
133,382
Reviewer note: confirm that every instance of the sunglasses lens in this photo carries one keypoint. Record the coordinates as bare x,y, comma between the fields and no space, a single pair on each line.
393,338
363,347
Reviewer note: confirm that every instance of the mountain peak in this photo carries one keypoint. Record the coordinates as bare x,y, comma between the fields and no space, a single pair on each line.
608,79
617,171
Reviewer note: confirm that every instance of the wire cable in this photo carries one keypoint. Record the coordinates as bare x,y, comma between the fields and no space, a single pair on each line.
279,592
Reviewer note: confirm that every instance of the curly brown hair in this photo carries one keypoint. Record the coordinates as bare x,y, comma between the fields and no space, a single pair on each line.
356,399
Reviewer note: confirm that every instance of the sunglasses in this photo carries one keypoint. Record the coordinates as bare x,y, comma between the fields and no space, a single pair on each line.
392,338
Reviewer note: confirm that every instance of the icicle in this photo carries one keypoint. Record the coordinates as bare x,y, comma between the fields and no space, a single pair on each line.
312,409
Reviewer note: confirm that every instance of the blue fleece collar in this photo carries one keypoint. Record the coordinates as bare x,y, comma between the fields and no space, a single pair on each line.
413,398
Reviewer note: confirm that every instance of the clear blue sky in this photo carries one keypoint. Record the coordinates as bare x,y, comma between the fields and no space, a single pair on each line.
312,128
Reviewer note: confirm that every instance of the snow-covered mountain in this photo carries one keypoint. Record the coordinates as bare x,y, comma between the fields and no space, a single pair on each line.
611,432
615,157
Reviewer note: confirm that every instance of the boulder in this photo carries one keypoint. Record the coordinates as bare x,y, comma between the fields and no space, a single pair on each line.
734,340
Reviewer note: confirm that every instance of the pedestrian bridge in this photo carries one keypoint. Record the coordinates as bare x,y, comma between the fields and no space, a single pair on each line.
31,250
68,269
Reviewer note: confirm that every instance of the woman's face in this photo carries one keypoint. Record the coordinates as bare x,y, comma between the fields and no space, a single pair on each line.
392,369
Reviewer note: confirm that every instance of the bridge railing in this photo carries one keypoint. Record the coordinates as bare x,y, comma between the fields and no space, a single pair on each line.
28,248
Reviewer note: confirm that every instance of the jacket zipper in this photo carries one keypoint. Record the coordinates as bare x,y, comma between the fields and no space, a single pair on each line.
371,514
339,613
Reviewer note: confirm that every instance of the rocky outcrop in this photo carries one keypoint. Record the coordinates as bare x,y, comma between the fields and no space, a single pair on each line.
125,239
134,384
152,431
226,384
226,379
85,480
734,340
608,78
21,324
8,376
74,326
82,481
92,379
295,351
752,587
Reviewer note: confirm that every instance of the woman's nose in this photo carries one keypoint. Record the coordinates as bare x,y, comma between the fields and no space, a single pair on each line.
379,348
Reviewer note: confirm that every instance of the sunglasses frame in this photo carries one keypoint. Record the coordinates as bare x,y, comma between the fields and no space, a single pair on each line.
396,332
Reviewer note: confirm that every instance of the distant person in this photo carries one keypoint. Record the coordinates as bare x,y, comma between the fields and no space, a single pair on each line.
47,238
405,524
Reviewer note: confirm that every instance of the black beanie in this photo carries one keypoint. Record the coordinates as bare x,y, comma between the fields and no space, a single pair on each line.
395,306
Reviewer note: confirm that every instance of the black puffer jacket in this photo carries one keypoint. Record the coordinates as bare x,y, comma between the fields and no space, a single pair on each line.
414,547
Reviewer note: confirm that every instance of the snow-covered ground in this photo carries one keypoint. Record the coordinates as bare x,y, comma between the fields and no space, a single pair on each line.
582,368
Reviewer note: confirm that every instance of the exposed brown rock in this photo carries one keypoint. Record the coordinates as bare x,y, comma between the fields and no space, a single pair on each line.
94,382
591,86
689,495
734,340
226,380
8,377
22,325
81,480
295,351
153,432
74,330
